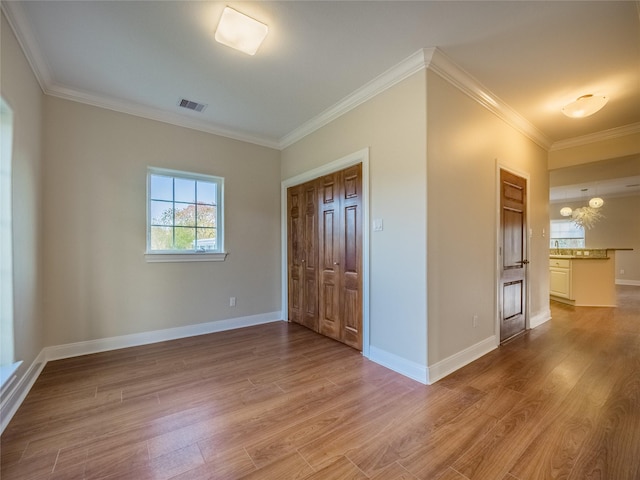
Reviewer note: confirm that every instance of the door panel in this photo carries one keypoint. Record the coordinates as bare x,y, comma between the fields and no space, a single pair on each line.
330,258
295,244
513,297
310,257
351,257
513,248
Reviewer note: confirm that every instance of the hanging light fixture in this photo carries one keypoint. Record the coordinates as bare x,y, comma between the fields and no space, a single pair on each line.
584,106
596,202
565,211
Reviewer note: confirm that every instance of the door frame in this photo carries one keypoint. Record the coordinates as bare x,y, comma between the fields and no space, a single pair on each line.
361,156
527,177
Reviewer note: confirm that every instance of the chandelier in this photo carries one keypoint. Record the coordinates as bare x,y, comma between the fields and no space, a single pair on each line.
587,216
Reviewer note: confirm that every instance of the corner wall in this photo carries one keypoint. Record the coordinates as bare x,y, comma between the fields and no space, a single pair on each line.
20,90
465,142
393,125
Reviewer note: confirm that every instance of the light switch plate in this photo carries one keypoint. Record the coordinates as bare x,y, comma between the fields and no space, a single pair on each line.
378,226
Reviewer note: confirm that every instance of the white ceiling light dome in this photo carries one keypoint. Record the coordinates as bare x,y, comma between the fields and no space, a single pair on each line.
584,106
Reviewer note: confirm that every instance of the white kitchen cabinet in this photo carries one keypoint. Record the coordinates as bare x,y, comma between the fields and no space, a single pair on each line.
583,280
560,278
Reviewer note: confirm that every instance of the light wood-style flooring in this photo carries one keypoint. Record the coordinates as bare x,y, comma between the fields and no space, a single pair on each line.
278,401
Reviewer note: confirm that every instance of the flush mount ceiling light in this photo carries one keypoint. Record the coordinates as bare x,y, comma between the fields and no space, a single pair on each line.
584,106
238,31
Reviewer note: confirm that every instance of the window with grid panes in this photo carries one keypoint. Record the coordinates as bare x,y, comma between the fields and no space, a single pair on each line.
184,213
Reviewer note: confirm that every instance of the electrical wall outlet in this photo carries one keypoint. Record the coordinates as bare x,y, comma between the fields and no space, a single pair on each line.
475,321
622,271
232,301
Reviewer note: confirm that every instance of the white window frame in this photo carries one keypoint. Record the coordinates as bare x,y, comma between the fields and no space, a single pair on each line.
8,363
576,228
217,255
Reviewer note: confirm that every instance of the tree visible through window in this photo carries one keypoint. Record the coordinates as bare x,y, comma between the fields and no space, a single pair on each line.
184,212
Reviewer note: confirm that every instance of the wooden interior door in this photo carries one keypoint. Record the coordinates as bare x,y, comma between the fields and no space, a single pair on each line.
351,256
329,250
295,252
310,257
302,254
513,249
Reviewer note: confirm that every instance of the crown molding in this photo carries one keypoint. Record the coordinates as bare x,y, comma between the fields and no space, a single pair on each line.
14,13
27,40
465,82
610,134
431,58
435,60
159,115
407,67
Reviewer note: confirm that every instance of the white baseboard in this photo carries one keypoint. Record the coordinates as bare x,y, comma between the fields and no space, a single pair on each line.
458,360
620,281
114,343
16,394
408,368
540,318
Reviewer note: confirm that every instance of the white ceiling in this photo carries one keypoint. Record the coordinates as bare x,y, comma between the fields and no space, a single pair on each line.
143,57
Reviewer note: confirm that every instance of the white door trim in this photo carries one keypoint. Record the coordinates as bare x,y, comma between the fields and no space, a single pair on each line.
527,177
361,156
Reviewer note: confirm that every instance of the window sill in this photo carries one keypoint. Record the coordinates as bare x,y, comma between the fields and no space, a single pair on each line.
184,257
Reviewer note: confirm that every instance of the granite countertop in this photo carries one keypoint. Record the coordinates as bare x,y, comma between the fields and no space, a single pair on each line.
583,253
580,257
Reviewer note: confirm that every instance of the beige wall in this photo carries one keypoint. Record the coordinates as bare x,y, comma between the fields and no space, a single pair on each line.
21,91
620,228
463,144
96,281
393,125
465,141
592,172
595,151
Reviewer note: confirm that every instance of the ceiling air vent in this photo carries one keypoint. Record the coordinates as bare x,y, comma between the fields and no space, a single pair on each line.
189,105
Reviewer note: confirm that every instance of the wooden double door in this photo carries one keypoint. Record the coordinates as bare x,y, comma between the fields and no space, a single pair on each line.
324,255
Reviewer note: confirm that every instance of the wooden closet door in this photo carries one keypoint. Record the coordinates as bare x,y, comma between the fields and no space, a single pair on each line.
295,249
310,256
325,255
302,254
329,256
350,282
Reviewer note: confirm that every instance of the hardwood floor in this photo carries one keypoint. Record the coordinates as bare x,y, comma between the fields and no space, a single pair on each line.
279,402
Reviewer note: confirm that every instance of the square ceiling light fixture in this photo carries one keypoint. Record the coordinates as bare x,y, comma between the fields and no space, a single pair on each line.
238,31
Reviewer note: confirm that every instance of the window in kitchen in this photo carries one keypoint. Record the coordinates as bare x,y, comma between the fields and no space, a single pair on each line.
567,234
184,216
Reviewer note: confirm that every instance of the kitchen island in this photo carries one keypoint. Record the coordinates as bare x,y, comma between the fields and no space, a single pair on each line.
583,277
